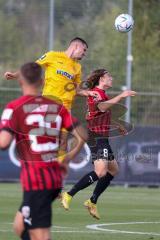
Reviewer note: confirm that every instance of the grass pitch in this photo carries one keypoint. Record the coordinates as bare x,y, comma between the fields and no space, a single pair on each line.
126,214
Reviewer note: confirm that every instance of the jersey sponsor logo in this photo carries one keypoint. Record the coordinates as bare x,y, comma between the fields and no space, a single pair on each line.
65,74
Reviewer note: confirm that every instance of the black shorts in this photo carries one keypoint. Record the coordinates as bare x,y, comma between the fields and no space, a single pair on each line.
100,147
36,208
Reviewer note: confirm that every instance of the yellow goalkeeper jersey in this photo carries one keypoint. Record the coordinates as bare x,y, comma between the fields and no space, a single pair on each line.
62,75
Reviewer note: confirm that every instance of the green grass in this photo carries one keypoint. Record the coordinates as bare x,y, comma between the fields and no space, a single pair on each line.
117,205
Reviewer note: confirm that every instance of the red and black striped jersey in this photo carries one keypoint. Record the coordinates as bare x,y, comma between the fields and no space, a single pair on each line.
36,123
98,122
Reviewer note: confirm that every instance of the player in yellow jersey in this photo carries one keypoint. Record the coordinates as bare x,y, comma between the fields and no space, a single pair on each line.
63,73
62,78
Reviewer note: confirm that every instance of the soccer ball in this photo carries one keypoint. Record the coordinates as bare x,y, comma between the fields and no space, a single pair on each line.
124,23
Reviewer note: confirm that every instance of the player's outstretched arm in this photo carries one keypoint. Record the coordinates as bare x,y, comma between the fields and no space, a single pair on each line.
104,106
87,93
81,137
43,61
5,139
11,75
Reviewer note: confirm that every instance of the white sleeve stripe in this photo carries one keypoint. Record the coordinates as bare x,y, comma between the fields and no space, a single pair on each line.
7,114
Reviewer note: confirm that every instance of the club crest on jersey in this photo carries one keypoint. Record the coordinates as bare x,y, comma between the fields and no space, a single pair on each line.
69,76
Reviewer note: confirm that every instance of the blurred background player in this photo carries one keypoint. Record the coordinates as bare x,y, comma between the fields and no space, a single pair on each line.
99,120
36,122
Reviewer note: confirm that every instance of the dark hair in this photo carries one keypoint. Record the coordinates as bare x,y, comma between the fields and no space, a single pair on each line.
32,72
94,77
78,39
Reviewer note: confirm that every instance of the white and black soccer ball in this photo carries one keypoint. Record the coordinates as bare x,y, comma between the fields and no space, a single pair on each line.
124,23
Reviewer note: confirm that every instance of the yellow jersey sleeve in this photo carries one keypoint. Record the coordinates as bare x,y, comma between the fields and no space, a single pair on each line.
45,59
78,76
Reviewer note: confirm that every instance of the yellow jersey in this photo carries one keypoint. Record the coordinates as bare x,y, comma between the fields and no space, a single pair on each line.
62,75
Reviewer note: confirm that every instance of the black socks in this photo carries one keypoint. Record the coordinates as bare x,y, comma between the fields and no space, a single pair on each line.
86,181
101,186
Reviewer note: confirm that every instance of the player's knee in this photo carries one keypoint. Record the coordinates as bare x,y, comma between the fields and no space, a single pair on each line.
100,167
101,173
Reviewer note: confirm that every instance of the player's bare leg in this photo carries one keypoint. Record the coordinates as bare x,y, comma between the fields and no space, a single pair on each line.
100,167
113,167
40,234
18,224
19,228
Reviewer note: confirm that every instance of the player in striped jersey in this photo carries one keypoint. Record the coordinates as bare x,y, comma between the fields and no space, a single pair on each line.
99,119
36,123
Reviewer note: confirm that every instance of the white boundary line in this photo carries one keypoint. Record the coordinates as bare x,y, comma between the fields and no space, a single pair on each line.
4,230
99,227
57,231
64,227
54,229
74,231
54,226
